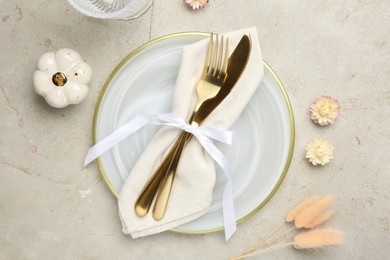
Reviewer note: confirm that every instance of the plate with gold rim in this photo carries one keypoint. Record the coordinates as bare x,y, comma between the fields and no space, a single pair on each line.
264,133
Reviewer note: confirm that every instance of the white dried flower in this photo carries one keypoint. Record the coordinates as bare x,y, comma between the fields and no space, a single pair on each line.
196,4
319,152
324,110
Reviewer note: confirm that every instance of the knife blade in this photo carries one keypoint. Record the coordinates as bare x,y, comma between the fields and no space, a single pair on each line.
236,66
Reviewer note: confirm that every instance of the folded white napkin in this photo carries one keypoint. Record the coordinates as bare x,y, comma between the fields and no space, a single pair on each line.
192,189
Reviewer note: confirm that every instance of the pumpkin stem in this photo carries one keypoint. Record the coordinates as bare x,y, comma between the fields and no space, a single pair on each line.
59,79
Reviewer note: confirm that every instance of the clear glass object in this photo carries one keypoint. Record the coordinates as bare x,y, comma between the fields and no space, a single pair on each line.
112,9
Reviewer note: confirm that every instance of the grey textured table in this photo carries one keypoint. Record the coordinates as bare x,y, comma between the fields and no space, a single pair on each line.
53,208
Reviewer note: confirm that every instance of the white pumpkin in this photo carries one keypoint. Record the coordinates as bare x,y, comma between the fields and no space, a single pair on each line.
62,78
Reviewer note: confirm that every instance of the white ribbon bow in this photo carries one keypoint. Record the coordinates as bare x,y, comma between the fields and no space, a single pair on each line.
205,135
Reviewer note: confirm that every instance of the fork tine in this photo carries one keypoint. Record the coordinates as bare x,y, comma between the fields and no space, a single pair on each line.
217,56
217,68
223,69
208,58
214,56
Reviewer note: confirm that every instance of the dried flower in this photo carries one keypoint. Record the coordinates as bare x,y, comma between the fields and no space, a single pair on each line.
196,4
310,214
319,151
324,110
321,218
318,238
297,209
305,240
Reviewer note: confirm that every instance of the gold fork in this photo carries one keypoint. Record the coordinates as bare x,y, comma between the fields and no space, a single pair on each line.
211,80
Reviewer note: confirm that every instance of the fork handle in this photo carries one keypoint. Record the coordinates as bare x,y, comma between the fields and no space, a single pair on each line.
164,190
150,189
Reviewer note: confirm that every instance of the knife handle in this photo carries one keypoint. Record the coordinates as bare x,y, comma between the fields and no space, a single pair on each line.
150,189
164,190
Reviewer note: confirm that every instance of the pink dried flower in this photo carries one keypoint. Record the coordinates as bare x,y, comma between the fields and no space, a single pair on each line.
196,4
318,238
313,214
312,239
321,218
292,214
308,214
324,110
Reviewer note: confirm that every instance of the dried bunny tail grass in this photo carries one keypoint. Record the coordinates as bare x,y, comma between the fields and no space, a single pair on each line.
318,238
306,240
291,215
309,214
321,218
318,219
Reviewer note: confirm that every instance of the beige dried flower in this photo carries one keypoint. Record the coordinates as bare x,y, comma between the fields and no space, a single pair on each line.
196,4
313,213
321,218
318,238
324,110
292,214
312,239
319,152
308,214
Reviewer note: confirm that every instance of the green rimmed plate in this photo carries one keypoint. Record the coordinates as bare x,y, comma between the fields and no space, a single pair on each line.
264,133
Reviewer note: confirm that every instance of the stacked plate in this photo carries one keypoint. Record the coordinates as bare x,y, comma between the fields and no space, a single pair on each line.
264,133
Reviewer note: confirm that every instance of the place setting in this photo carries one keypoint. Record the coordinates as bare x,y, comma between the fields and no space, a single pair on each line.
195,129
193,132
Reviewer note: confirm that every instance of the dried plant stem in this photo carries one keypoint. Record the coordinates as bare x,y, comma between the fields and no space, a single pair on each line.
263,251
311,239
264,240
267,240
270,239
308,214
275,229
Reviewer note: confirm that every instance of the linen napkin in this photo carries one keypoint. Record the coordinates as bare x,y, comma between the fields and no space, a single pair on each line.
192,189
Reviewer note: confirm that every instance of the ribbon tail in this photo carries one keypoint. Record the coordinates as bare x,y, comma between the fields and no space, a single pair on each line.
229,216
116,137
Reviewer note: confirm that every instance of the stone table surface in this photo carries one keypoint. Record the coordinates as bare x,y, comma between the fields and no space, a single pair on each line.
51,207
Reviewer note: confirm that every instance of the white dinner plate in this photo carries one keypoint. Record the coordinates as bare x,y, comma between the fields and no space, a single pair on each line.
143,83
